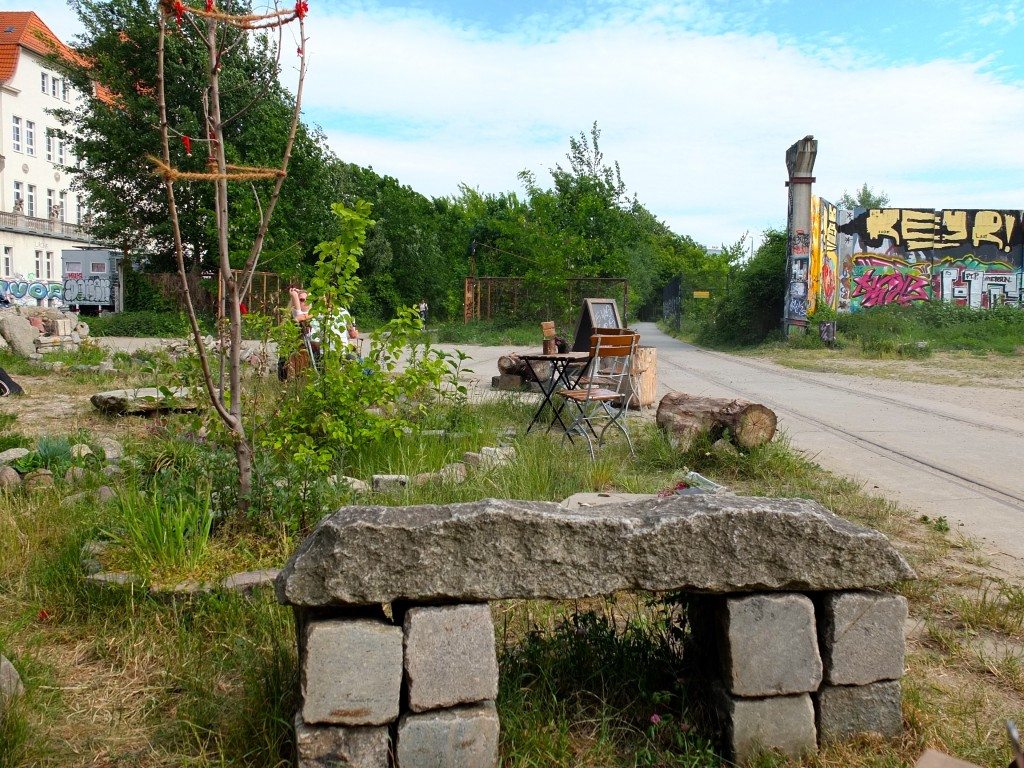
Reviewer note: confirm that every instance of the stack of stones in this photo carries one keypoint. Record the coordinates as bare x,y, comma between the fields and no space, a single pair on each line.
397,645
421,687
30,331
786,670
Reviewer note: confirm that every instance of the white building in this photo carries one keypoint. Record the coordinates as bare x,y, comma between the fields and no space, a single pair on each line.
39,214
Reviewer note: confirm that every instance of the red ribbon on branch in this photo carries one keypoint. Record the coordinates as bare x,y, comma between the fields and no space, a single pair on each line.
179,11
187,141
301,8
209,6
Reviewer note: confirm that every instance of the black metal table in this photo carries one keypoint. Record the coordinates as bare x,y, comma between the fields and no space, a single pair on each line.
566,370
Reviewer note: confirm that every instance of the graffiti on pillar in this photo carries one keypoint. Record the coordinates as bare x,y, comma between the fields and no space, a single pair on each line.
908,255
823,278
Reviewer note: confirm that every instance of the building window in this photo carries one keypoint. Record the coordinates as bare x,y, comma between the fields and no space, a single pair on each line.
63,206
50,262
19,196
8,261
30,137
51,200
49,145
64,89
16,134
39,264
55,87
46,82
30,206
78,210
60,151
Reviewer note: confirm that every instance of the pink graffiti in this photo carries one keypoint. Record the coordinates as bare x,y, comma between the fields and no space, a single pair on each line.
889,288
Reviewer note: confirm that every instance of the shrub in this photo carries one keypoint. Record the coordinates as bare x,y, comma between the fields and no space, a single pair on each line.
146,323
159,530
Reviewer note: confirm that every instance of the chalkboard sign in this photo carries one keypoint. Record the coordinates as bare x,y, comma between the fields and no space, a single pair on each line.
595,313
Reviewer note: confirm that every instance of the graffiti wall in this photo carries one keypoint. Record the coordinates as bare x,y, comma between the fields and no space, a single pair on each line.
823,274
909,255
31,292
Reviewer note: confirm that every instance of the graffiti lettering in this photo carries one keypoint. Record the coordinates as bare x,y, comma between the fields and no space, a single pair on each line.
879,288
93,290
37,289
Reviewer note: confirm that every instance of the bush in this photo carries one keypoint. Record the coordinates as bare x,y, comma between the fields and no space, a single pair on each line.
143,324
751,310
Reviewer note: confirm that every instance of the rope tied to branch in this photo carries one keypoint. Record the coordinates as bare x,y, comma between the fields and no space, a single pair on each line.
231,172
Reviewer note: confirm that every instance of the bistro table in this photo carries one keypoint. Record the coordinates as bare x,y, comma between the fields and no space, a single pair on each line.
566,370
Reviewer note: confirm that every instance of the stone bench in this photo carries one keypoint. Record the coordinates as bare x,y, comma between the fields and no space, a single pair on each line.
798,644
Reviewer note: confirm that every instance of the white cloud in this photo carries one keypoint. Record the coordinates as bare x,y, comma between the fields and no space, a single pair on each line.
699,122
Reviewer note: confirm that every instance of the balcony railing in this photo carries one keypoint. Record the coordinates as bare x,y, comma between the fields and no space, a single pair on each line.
19,222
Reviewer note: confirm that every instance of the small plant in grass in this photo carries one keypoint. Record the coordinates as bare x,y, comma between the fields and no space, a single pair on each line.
158,530
937,524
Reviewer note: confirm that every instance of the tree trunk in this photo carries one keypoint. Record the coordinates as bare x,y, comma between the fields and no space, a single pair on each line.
685,417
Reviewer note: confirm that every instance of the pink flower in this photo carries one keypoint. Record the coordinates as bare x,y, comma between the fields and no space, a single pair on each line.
655,718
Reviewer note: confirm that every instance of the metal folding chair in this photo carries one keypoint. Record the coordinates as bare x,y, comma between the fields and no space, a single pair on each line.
603,395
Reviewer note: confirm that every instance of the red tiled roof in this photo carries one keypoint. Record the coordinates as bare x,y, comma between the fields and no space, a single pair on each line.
27,30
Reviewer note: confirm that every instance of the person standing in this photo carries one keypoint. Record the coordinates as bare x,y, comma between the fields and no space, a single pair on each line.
423,310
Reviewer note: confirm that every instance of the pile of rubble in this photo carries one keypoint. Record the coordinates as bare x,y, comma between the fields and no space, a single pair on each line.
30,331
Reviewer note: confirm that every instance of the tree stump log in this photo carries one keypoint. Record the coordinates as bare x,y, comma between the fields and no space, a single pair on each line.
511,364
685,417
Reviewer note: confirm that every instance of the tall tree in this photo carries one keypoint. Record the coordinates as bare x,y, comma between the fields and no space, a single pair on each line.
117,128
865,198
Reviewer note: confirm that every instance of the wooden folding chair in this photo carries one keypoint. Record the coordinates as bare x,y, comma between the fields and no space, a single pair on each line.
603,395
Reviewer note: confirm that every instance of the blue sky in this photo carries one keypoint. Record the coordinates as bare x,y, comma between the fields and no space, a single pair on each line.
697,100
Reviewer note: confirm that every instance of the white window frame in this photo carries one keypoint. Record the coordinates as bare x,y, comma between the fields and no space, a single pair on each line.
19,191
51,200
50,264
49,144
60,151
30,202
64,89
55,87
78,210
39,264
8,261
16,133
45,80
30,137
63,205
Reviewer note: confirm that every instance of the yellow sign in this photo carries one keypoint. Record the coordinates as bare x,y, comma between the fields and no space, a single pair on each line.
702,294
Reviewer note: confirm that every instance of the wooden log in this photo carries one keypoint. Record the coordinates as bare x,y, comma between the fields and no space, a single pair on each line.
511,364
685,417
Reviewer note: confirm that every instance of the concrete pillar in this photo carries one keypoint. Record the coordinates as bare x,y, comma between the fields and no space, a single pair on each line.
800,164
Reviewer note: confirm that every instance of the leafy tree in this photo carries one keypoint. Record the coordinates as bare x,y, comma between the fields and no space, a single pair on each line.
751,309
116,129
865,198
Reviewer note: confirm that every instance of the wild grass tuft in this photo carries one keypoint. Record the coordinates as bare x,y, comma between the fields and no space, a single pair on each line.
159,530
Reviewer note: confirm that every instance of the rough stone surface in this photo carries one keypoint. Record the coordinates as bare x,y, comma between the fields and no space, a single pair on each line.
386,483
9,477
38,480
111,471
250,581
19,334
10,682
80,450
115,578
352,672
493,549
353,483
453,473
847,710
112,450
496,457
770,645
862,637
144,400
785,723
13,454
466,737
471,459
105,494
337,747
74,474
449,656
507,381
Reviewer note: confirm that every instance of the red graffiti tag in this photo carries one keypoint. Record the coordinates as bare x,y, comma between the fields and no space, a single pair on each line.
875,289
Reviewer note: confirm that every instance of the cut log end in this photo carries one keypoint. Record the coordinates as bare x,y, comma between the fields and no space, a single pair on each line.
685,417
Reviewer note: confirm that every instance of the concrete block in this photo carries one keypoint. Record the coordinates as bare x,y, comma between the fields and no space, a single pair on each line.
770,645
785,723
450,657
847,710
318,746
496,457
862,637
351,672
507,381
464,737
469,458
454,473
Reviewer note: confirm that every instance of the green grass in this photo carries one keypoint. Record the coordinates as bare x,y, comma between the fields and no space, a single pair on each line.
489,333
